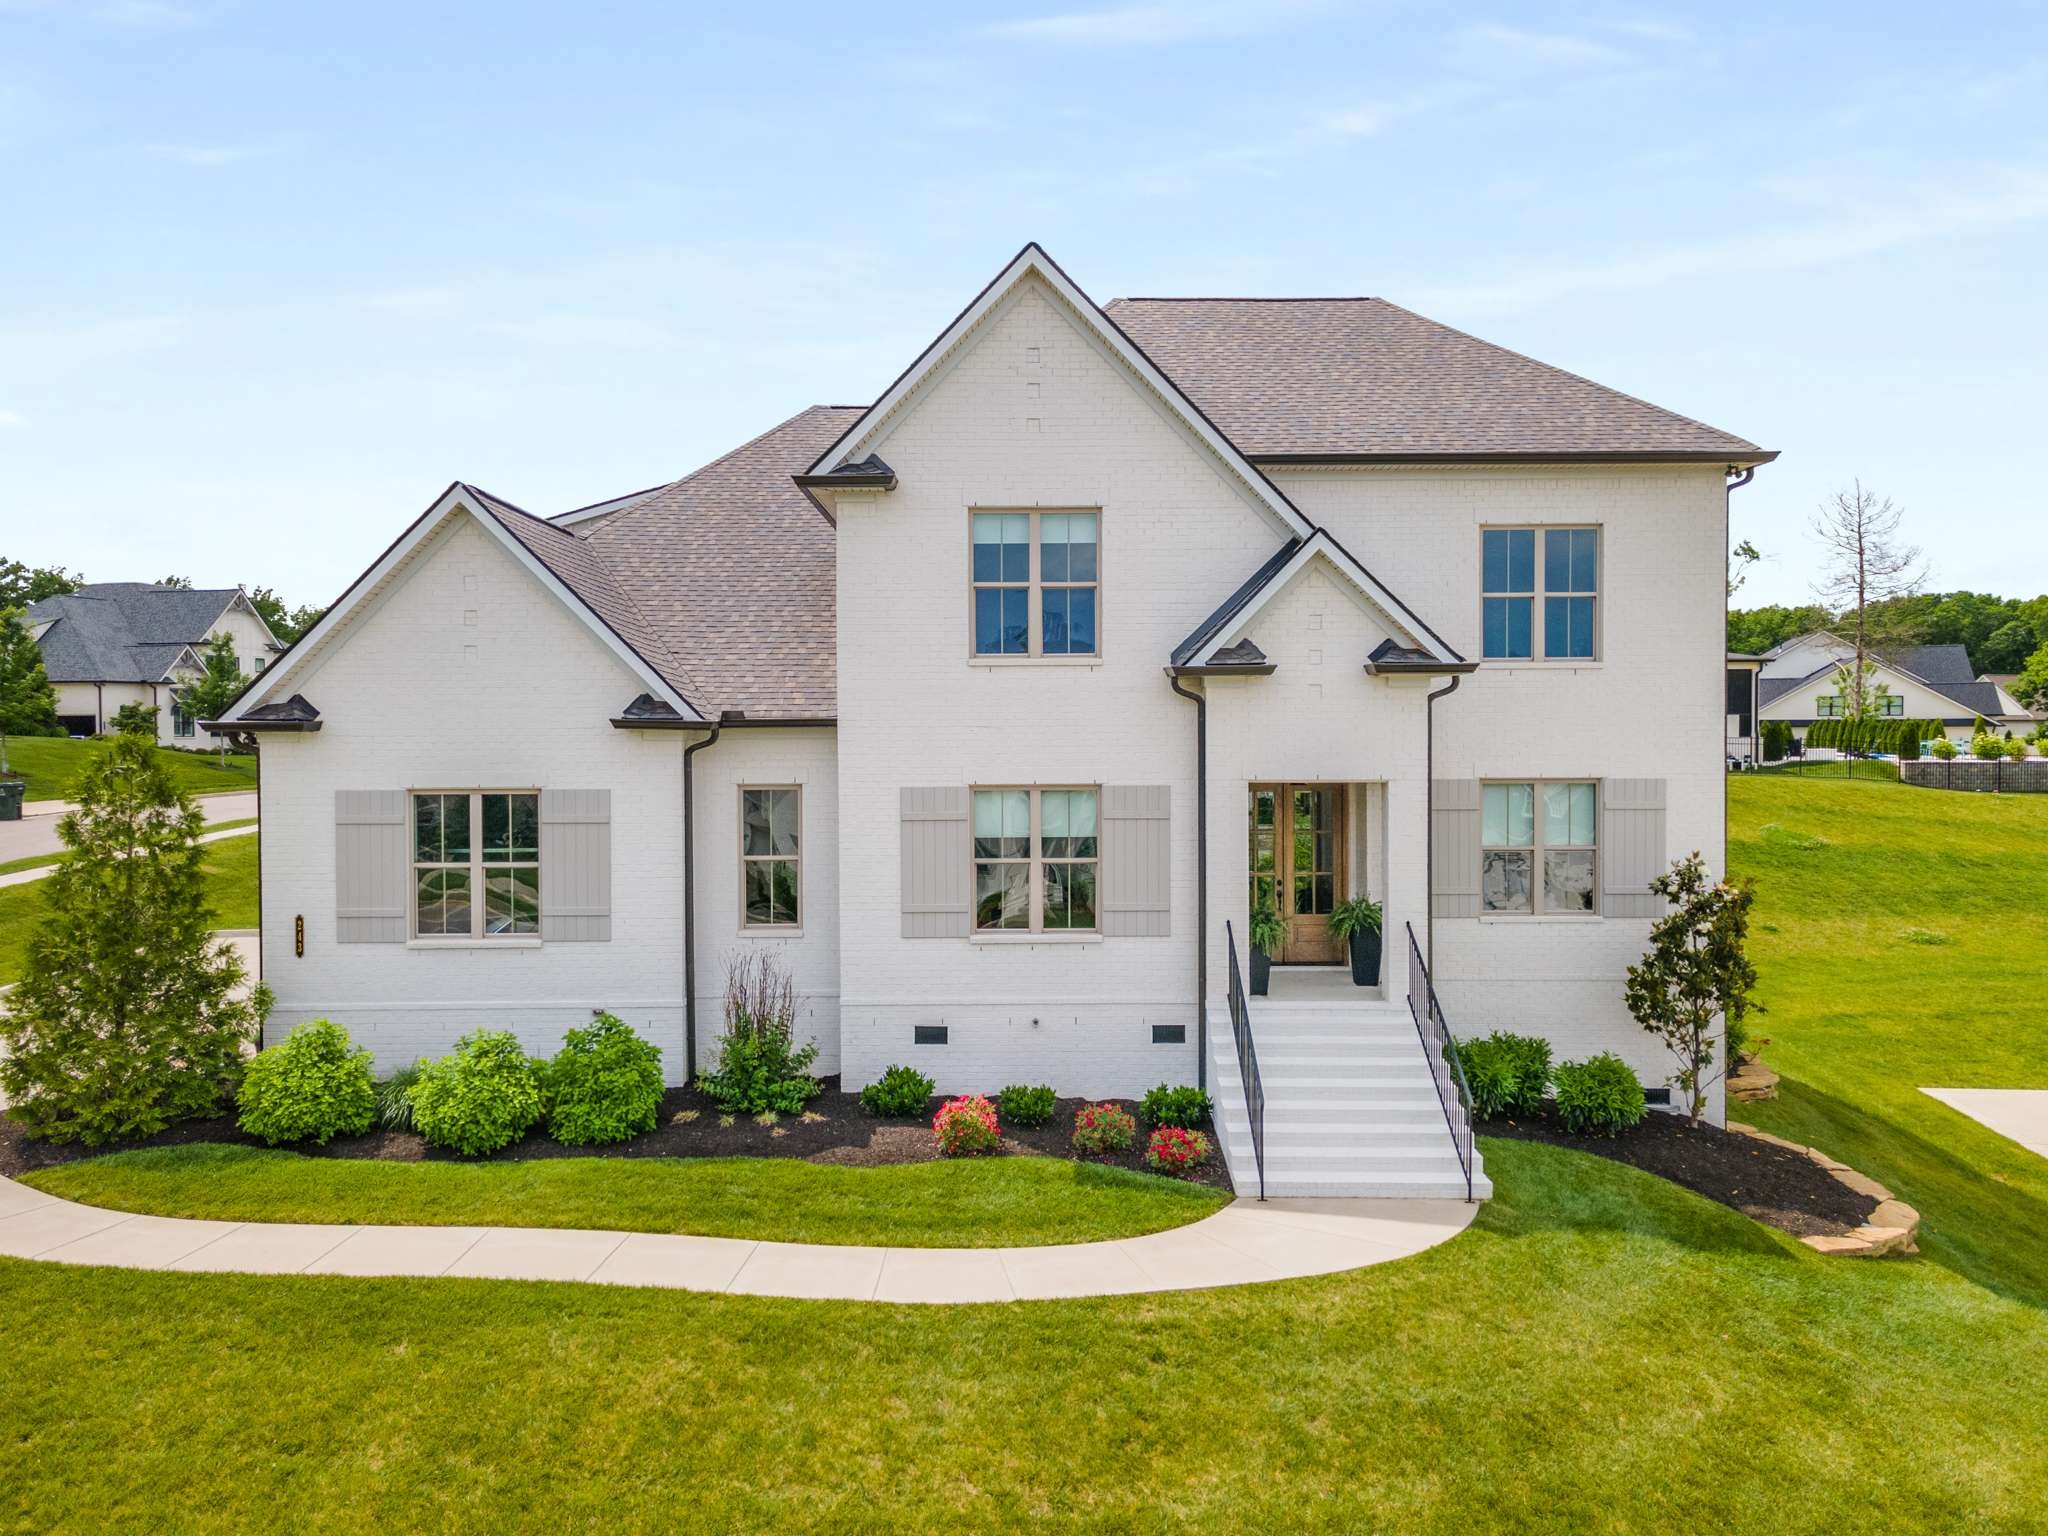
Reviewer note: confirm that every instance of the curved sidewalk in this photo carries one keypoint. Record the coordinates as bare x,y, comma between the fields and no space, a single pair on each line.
1240,1245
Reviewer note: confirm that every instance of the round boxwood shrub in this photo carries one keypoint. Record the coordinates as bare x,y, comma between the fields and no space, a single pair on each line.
604,1084
966,1126
484,1095
313,1087
1944,749
1028,1105
900,1093
1599,1096
1185,1107
1506,1073
1104,1128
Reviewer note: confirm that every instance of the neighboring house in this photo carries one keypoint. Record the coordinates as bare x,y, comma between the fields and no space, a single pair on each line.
916,695
112,643
1796,682
2009,702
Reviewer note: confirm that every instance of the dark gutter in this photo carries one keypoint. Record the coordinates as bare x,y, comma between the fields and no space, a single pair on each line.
876,481
690,901
730,722
238,727
1425,668
1284,460
1264,669
1429,818
1201,874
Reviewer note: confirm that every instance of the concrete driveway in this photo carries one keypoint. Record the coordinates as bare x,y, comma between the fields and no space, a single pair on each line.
33,836
2018,1114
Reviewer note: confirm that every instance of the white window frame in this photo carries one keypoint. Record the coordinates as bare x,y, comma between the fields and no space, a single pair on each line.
182,723
1536,848
1539,590
1034,586
1035,860
747,924
474,864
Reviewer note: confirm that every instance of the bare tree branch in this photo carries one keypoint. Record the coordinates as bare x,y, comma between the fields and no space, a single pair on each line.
1867,564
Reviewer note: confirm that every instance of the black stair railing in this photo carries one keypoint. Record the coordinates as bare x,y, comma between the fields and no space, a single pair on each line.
1247,1061
1440,1049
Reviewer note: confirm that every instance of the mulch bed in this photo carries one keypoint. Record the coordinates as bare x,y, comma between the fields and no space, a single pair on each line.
1777,1187
835,1129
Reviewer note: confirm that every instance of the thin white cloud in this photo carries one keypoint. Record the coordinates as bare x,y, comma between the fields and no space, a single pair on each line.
1154,25
144,15
1490,47
1847,233
11,419
574,328
206,155
422,303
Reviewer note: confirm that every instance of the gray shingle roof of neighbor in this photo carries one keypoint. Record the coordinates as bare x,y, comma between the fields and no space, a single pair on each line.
1944,668
1363,378
733,567
124,631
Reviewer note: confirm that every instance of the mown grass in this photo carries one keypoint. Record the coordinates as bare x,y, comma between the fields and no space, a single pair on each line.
45,860
1601,1352
1013,1201
51,767
230,866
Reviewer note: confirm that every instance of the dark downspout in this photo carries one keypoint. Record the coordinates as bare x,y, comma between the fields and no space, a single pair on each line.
690,902
99,709
1429,820
1201,879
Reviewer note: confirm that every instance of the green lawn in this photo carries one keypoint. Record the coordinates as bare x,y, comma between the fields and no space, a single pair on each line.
1601,1352
230,884
45,860
51,765
1006,1202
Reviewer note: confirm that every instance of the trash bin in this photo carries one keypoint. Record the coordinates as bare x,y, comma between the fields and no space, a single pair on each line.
11,791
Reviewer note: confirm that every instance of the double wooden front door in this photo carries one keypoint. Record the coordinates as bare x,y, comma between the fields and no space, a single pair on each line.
1297,862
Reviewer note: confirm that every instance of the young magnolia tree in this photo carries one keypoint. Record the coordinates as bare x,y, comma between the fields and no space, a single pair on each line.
1695,972
218,685
127,1016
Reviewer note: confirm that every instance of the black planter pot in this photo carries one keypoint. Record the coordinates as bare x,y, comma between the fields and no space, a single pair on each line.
1262,970
1365,959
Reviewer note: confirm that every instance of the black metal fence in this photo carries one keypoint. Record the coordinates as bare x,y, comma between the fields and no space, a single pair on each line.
1247,1061
1997,776
1440,1049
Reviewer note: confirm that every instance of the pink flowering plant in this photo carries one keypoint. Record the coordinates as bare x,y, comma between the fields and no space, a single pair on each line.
1104,1128
966,1126
1174,1150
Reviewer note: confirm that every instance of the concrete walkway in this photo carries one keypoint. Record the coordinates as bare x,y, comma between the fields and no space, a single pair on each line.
43,872
1240,1245
2018,1114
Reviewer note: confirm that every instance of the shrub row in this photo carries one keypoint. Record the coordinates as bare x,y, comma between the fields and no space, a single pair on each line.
1777,740
1901,738
604,1085
1507,1075
901,1093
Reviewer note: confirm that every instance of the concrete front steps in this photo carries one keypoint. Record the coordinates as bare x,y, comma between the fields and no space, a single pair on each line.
1351,1109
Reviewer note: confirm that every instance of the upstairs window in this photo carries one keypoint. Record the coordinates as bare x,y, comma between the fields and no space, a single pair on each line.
1565,582
1036,583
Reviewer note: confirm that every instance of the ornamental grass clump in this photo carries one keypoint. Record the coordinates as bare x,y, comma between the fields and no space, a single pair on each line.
760,1065
313,1087
483,1095
967,1126
604,1084
1100,1128
1173,1149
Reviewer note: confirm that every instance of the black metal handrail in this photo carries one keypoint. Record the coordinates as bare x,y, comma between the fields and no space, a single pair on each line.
1440,1048
1247,1061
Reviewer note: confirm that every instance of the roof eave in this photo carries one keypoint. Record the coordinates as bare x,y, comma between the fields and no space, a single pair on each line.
1731,458
1262,669
1428,668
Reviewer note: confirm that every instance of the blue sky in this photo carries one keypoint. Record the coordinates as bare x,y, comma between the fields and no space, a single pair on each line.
272,275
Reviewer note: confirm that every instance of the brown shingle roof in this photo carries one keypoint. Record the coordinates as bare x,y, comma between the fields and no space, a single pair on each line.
1364,378
733,568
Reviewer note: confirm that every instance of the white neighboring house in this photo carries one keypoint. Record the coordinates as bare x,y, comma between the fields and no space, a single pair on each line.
990,707
112,643
1795,682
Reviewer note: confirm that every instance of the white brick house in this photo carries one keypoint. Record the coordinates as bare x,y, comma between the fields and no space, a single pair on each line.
979,705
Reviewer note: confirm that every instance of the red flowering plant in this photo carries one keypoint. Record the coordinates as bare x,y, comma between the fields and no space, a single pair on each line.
966,1126
1173,1150
1104,1128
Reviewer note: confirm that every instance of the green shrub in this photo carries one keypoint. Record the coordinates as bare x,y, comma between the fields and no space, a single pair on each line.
1185,1107
484,1095
2016,750
1907,745
1777,740
604,1084
1102,1128
1028,1105
394,1098
1985,748
760,1065
313,1087
1944,749
1599,1096
1506,1073
900,1093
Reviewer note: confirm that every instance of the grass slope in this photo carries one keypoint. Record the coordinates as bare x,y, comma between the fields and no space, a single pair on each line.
1899,939
1601,1352
45,860
230,887
51,766
1014,1201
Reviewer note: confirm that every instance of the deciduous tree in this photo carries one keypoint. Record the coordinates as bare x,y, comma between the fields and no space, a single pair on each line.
1867,564
221,682
1695,973
28,703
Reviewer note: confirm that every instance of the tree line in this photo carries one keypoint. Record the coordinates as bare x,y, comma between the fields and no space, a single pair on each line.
2001,633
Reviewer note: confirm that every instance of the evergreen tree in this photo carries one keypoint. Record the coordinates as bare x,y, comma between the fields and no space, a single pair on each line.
207,696
136,719
125,1018
28,703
